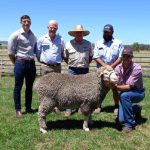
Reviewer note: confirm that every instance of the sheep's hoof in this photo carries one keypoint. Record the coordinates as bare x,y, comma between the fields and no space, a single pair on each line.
43,130
86,129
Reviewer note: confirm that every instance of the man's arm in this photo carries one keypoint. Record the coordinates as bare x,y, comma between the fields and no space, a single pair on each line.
118,61
12,58
120,87
12,46
100,61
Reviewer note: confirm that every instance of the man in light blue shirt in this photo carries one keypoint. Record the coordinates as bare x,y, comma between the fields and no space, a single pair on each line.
50,49
108,51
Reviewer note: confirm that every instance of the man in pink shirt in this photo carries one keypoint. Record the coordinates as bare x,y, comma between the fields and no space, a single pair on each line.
131,91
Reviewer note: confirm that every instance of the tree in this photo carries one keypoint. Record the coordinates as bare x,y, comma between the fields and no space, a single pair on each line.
135,46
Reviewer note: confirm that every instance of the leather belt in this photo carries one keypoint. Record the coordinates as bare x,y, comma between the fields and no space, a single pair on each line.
23,60
78,68
53,65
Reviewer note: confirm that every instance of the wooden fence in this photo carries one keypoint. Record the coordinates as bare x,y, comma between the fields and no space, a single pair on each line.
6,67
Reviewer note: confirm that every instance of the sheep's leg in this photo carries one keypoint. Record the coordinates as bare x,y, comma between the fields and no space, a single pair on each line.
85,123
45,107
42,119
90,120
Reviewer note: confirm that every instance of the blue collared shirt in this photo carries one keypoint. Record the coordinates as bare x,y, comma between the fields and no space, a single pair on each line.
108,51
22,44
50,52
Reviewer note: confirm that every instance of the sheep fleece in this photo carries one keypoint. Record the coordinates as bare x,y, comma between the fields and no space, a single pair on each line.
71,91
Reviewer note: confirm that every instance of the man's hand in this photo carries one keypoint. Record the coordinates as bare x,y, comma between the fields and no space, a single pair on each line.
12,58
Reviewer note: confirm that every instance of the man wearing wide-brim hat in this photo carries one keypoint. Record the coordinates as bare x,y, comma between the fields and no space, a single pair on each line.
78,28
78,54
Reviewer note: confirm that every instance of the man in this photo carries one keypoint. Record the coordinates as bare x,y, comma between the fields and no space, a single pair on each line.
78,54
50,49
108,51
21,50
131,91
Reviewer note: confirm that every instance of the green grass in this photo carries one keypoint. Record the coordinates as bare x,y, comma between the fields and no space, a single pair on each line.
67,134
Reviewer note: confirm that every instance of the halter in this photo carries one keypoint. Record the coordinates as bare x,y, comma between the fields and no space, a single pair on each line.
110,75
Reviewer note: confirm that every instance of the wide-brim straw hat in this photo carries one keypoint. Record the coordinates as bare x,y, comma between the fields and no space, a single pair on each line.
79,28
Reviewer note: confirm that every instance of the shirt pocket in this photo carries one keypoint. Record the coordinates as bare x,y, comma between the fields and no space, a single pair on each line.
72,54
23,42
85,53
58,48
45,47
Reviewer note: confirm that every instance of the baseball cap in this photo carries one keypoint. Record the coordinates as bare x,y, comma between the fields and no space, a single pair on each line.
128,51
108,28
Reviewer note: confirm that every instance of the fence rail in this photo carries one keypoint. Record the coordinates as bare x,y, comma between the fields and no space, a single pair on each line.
6,67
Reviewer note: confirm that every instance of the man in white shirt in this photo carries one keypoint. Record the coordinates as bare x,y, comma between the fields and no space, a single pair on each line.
21,51
108,51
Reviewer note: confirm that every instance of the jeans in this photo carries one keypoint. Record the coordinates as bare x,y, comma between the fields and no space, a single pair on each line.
127,110
76,71
23,70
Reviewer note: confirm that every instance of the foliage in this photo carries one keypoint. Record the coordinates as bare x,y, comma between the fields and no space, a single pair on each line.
139,47
135,46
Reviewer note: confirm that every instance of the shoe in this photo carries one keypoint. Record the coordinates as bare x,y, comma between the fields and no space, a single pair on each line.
57,111
120,125
126,130
116,111
67,114
98,110
138,114
30,111
19,114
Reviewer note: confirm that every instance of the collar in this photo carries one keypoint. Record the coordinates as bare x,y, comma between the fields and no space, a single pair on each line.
108,41
75,42
48,37
130,67
22,31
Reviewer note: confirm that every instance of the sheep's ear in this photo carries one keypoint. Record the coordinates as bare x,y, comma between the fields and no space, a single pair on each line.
100,71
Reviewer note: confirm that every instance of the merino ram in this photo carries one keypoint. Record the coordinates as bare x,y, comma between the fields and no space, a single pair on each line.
73,91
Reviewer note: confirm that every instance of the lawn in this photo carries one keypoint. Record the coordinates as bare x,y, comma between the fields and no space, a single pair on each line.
67,134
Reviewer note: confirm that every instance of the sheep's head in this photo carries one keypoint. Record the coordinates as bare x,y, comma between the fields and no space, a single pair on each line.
108,74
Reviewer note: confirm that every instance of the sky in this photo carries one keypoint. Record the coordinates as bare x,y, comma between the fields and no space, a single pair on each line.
130,18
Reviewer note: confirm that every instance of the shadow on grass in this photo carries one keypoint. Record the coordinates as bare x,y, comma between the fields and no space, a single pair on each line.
77,124
31,112
74,124
108,109
140,120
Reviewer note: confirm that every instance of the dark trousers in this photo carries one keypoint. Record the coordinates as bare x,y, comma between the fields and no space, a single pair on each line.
76,71
24,70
